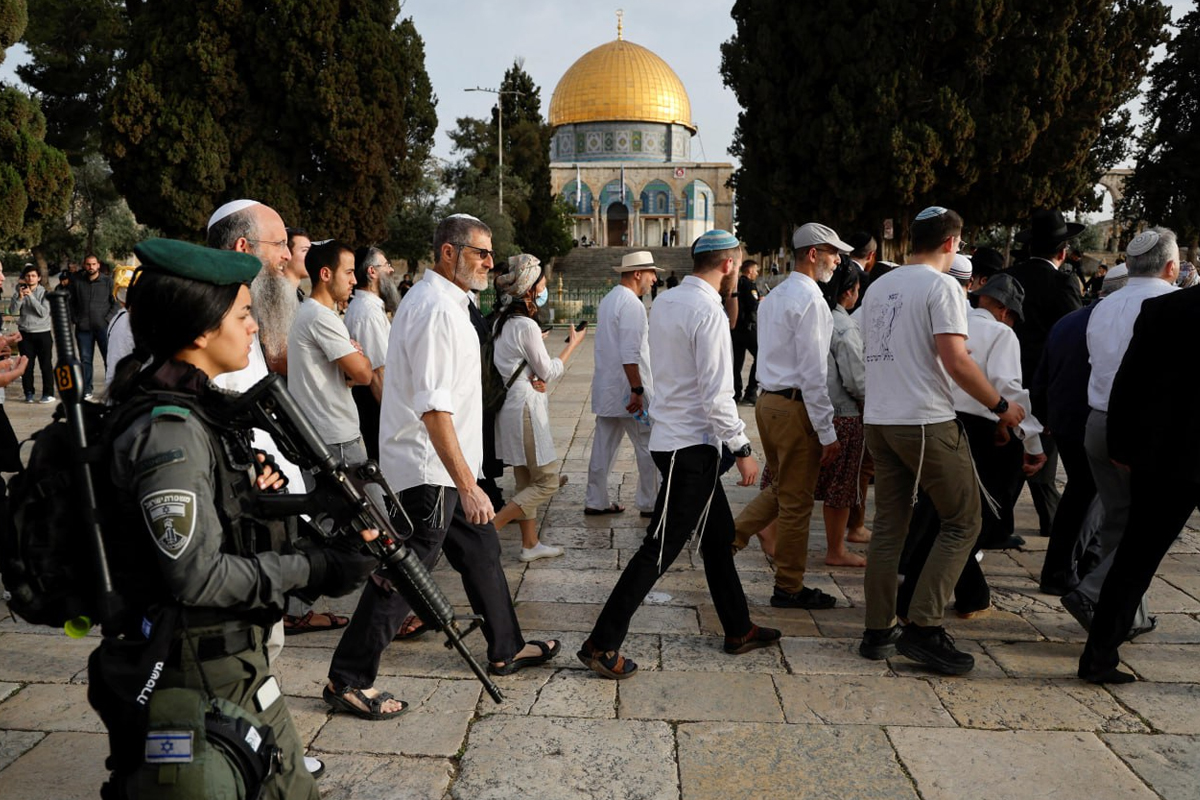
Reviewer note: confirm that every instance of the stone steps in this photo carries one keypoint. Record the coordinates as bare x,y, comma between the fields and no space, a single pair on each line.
594,264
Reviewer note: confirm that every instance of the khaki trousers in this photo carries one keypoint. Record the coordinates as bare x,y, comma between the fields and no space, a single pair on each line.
940,456
793,454
535,485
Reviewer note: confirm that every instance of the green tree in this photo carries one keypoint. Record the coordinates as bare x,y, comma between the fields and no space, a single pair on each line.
540,223
413,221
995,107
1165,185
320,108
35,180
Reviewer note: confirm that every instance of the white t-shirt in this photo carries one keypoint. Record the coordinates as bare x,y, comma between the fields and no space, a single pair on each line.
368,325
318,338
905,309
621,330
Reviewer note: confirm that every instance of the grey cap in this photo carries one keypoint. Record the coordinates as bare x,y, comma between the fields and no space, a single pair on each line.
812,234
1007,290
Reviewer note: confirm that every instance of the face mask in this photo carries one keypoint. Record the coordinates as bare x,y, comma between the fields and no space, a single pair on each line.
542,297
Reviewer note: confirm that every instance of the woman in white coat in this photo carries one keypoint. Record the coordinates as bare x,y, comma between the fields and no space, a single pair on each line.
523,438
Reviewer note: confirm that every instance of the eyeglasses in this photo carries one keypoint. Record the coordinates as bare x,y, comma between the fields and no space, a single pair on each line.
280,243
484,253
384,265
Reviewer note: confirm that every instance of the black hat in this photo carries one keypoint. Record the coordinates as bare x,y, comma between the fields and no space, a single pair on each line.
986,262
219,267
1048,228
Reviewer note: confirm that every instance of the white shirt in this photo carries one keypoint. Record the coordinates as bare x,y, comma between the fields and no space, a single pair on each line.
904,310
994,347
244,379
1109,330
368,325
620,339
120,344
690,343
433,365
317,340
794,330
521,338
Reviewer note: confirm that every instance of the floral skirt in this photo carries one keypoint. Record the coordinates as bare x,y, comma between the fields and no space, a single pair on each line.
837,484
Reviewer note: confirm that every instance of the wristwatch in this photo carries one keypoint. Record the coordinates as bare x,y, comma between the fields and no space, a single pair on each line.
1000,407
743,451
638,390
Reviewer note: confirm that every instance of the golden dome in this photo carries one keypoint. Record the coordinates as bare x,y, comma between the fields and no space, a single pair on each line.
620,81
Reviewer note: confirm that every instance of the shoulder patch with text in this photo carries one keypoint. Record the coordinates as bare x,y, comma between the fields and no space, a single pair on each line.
171,515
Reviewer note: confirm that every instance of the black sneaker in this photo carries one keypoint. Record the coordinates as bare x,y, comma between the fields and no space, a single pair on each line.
879,643
935,648
1079,607
805,598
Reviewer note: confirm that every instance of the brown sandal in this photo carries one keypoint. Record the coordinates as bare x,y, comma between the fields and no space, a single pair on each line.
610,664
296,625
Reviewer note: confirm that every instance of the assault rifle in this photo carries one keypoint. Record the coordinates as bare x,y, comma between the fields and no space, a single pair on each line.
344,496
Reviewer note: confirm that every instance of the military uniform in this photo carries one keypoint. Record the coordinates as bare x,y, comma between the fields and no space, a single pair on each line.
201,590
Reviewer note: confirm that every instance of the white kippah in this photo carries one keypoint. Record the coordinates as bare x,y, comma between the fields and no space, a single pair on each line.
1142,243
463,216
232,207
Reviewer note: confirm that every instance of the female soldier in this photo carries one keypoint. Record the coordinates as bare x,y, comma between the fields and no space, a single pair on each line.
523,437
220,573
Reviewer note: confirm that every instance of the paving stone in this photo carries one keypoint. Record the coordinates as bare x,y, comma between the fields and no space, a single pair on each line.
995,625
575,537
14,743
435,725
62,766
520,692
1169,663
44,659
1187,582
1058,627
1036,659
8,688
789,621
1164,597
706,654
576,694
578,558
985,665
860,700
581,617
48,707
1173,629
836,623
1013,765
1034,705
362,777
1168,707
1168,763
720,760
566,759
566,586
810,656
698,696
309,714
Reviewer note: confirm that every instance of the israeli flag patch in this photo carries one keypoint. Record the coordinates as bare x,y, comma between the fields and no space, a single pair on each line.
169,747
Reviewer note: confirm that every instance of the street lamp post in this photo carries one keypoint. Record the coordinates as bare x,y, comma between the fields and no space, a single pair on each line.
500,132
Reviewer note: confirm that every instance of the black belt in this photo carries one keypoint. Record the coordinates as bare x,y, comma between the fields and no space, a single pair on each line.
208,648
790,394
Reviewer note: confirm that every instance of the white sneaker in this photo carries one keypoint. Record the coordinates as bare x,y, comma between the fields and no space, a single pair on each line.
315,766
540,550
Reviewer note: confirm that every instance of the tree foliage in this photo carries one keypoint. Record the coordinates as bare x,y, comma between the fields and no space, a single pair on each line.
539,223
319,108
35,181
1165,185
994,107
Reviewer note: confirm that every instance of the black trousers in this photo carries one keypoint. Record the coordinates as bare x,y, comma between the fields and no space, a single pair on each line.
689,480
1065,547
1000,472
368,419
38,347
473,551
1160,504
743,341
1044,490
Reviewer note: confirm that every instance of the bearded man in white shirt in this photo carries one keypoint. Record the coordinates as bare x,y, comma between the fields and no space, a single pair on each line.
375,293
1152,259
915,330
622,386
431,452
696,414
794,412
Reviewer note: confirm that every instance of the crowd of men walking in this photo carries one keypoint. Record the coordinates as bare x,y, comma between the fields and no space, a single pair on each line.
950,381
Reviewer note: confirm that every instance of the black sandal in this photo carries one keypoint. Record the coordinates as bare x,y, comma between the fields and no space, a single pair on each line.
508,668
613,508
757,637
374,712
610,664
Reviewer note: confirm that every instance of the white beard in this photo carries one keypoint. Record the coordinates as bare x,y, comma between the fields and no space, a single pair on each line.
275,305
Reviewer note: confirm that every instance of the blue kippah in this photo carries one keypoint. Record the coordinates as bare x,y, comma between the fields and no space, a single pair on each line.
931,212
715,239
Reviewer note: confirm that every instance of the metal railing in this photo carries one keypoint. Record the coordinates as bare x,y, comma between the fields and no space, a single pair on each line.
567,303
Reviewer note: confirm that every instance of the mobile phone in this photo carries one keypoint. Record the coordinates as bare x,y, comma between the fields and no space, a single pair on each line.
583,323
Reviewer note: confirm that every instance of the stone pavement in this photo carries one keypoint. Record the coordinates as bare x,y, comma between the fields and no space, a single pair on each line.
808,718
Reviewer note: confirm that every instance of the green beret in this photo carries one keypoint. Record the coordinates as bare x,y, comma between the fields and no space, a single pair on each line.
219,267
